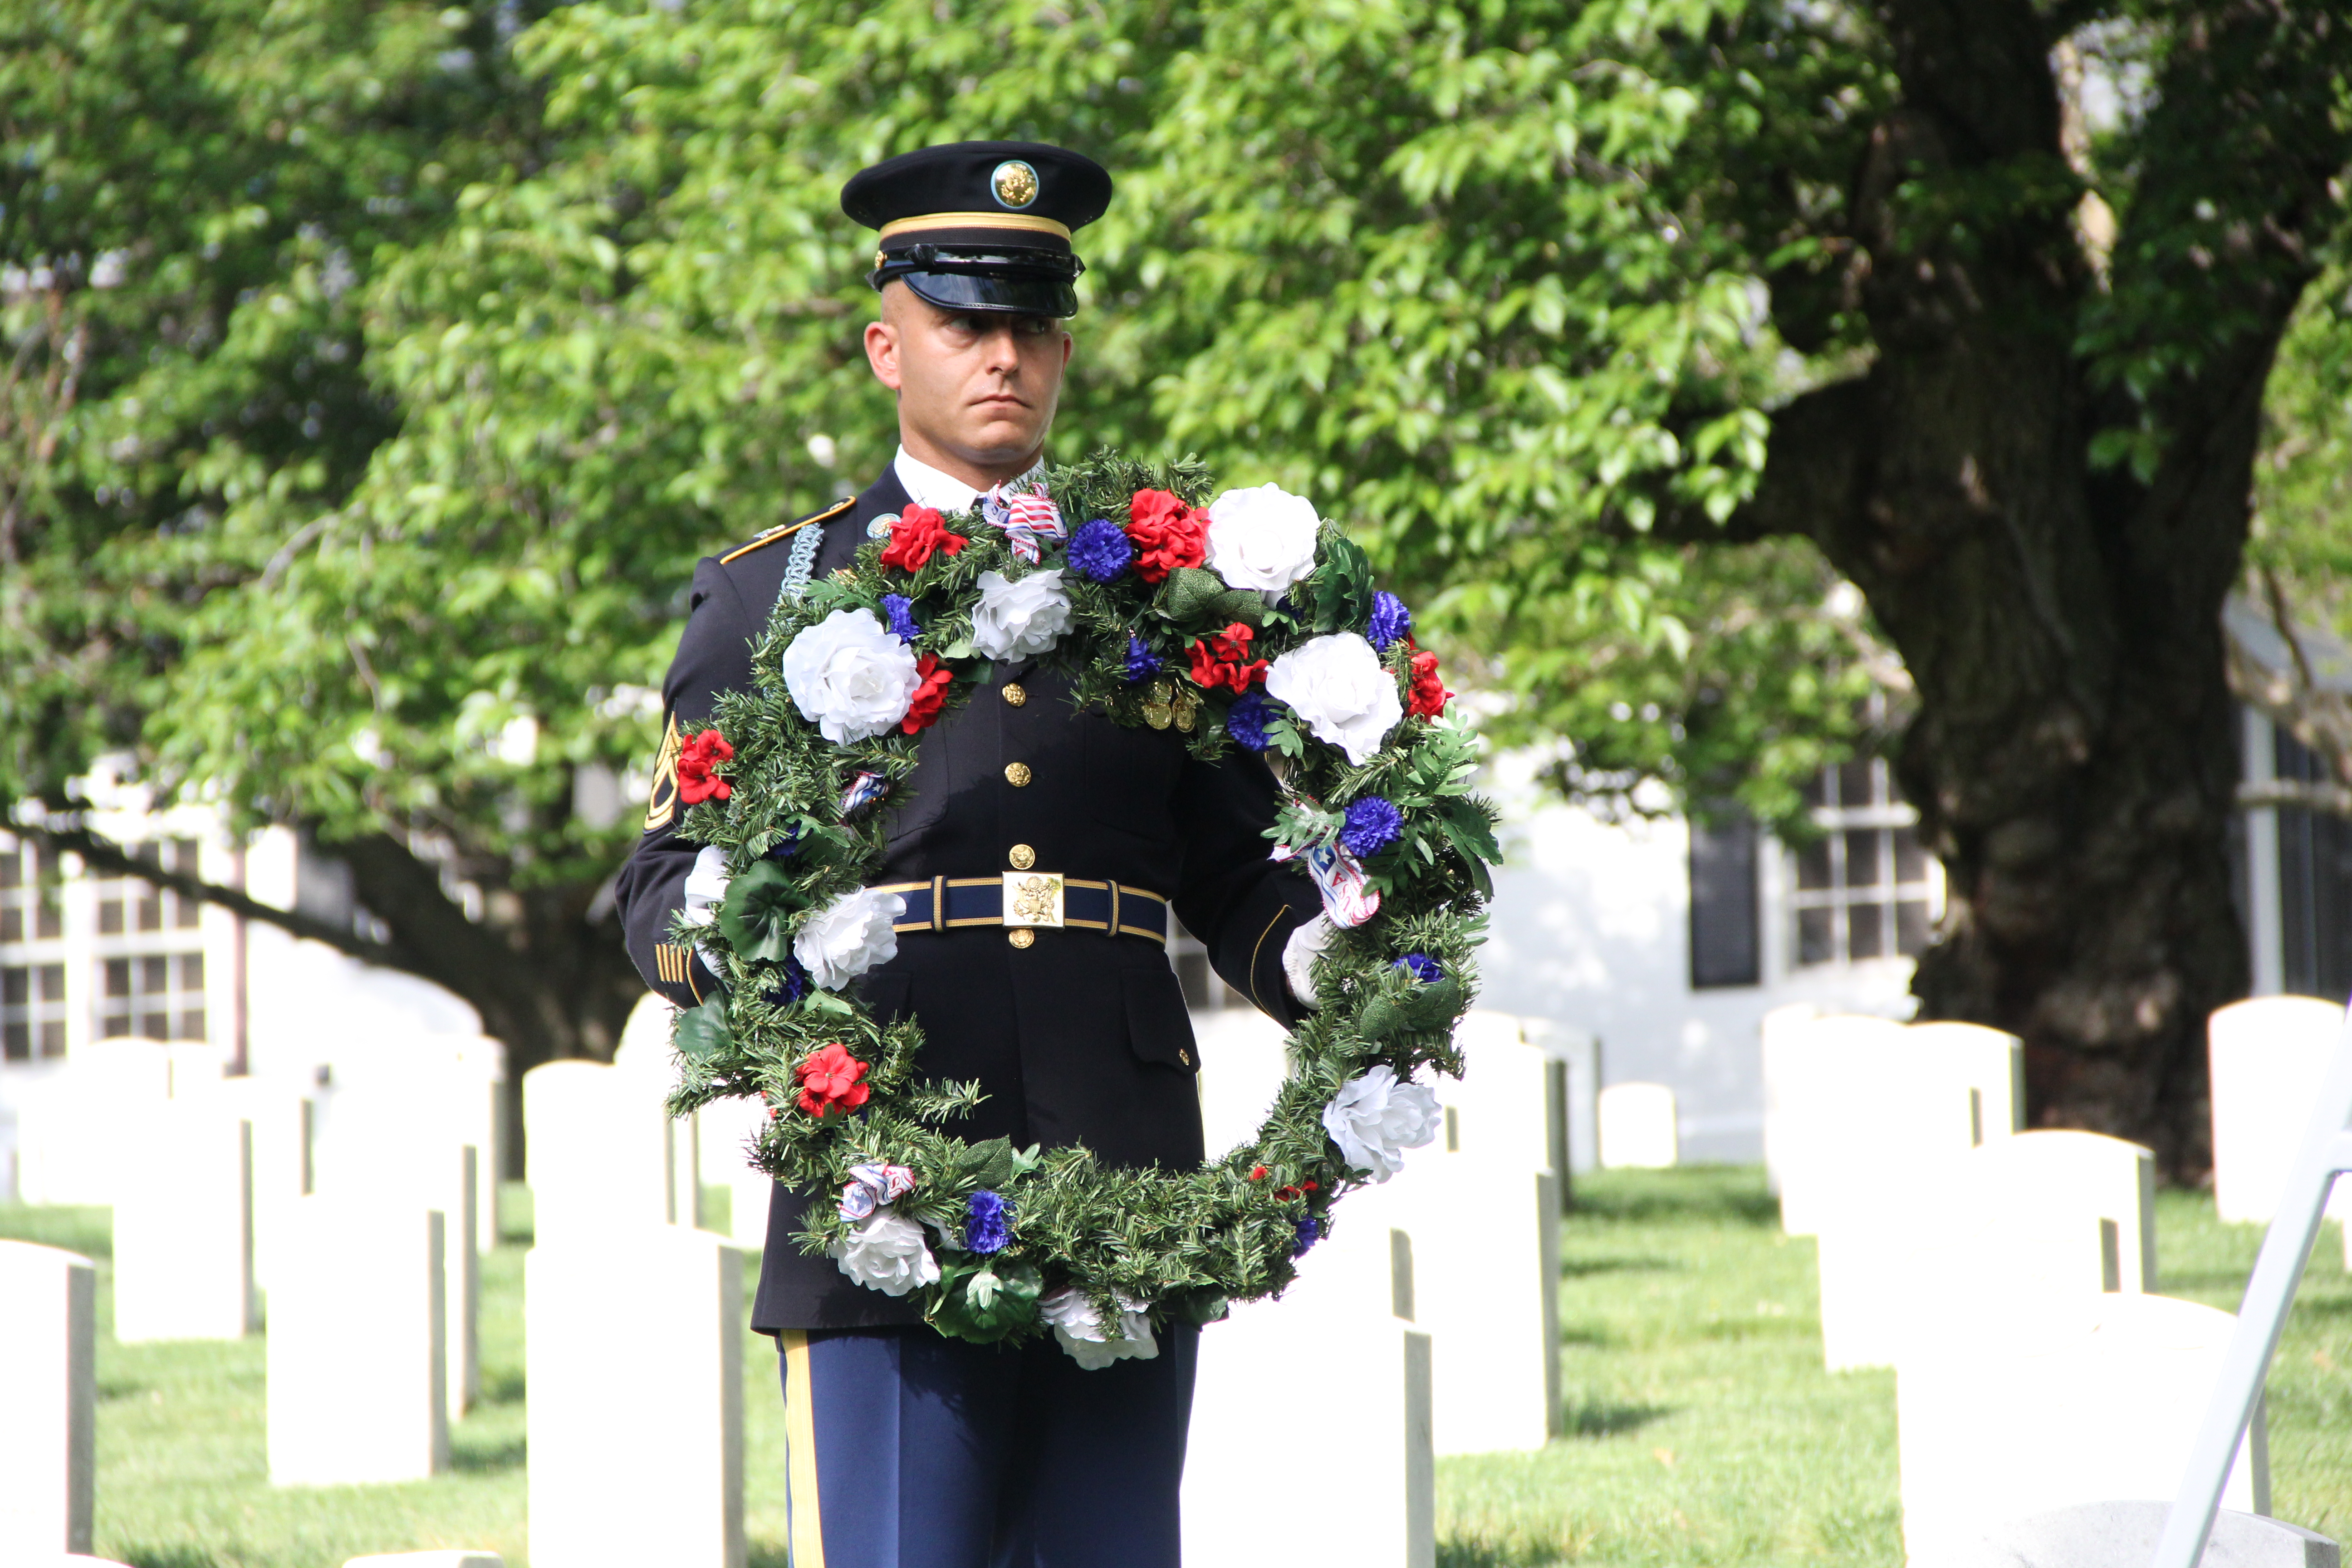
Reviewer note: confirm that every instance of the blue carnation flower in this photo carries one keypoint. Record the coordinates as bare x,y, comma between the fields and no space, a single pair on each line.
1101,550
1391,620
1422,967
1140,663
899,609
990,1223
1246,720
791,984
1310,1231
1373,824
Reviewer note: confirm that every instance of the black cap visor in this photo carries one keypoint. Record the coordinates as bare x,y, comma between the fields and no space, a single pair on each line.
1013,282
982,291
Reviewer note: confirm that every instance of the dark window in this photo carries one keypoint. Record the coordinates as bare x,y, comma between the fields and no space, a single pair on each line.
1725,946
2315,884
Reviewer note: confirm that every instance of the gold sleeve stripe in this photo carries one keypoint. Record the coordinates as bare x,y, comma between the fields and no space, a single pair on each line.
672,964
788,530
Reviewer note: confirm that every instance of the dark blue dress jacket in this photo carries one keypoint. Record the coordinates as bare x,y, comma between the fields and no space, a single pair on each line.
1082,1038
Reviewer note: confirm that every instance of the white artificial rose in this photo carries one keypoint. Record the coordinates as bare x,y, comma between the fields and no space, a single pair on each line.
1262,539
1337,685
850,676
1020,620
1375,1117
886,1254
1085,1338
706,890
849,936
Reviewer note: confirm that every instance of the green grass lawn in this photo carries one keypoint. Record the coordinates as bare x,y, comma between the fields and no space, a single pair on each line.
1703,1431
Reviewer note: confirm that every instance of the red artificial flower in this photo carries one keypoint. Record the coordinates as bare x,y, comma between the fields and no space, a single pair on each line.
1429,693
1166,534
1257,1172
919,530
1286,1194
829,1079
931,694
695,781
1307,1187
1223,658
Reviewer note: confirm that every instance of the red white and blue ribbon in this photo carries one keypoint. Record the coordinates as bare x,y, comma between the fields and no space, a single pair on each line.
1348,899
864,792
1028,521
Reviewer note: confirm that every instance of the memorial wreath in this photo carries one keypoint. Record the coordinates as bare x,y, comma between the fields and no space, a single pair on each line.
1248,622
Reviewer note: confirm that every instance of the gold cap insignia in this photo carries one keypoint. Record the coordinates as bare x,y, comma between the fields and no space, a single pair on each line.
1015,184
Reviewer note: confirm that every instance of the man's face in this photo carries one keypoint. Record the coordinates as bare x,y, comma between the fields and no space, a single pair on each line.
977,387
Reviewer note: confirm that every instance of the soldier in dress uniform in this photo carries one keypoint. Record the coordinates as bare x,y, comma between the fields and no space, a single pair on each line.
909,1450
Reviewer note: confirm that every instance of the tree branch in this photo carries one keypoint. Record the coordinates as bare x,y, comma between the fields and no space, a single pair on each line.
107,856
2309,794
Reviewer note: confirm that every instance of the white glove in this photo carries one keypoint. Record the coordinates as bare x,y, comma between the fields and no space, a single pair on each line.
1299,955
706,890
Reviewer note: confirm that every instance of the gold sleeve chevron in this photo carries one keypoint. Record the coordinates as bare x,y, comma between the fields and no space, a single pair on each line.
662,804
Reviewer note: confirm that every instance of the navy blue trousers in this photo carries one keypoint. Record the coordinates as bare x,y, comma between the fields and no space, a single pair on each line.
906,1449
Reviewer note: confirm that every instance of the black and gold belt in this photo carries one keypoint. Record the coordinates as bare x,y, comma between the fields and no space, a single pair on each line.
1028,901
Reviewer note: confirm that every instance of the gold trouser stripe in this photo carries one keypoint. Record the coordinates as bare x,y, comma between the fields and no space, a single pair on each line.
801,1514
1020,221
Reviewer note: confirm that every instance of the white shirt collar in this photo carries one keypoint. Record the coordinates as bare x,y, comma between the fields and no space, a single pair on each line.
927,486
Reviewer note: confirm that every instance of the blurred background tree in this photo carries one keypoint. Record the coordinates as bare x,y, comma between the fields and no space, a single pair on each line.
1701,368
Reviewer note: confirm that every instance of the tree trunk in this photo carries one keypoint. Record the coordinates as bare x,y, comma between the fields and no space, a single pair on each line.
2074,756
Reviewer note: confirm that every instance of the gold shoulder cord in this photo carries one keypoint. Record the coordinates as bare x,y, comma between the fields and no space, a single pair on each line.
788,530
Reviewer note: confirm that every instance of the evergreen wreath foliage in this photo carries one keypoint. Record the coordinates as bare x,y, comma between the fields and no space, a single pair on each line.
1174,1245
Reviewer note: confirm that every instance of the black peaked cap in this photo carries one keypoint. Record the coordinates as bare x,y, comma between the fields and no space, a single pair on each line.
982,226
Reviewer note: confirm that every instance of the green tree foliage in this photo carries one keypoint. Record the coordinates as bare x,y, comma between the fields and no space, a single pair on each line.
1620,330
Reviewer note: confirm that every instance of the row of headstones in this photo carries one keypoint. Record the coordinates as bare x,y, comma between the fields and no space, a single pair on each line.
222,1188
1425,1324
2010,1276
1438,1288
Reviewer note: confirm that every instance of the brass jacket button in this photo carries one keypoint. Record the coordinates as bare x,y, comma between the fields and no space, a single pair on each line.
1016,774
1021,936
1022,857
1013,696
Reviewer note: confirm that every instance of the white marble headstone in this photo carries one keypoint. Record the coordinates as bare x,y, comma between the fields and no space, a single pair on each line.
725,1129
184,1226
2005,1416
2030,1216
358,1351
1851,1100
1638,1127
48,1392
2269,1057
76,1133
635,1348
1339,1352
596,1152
282,1117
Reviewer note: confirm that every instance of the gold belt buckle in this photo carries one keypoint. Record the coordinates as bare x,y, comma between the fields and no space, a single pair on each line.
1033,898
